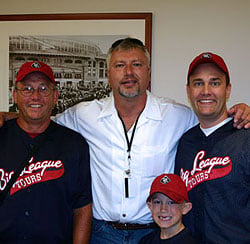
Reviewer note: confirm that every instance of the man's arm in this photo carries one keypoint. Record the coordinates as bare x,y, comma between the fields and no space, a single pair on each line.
241,114
4,116
82,224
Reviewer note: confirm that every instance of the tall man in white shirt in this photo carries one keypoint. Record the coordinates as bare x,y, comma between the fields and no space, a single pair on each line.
133,137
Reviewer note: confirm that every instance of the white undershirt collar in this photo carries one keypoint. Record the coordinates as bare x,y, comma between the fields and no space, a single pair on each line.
210,130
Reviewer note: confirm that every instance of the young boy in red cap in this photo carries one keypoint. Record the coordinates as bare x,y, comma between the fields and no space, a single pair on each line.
168,201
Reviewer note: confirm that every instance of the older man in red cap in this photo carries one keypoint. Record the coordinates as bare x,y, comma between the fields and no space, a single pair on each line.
130,135
45,188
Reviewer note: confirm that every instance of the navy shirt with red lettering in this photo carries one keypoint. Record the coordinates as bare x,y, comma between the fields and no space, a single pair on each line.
216,170
40,205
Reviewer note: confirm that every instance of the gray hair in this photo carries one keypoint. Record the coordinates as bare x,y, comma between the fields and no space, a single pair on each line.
127,44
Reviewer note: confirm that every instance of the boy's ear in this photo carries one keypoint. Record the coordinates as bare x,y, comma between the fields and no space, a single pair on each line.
186,208
149,205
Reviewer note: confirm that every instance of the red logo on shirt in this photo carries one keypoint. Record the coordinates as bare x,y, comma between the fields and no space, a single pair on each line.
33,173
206,169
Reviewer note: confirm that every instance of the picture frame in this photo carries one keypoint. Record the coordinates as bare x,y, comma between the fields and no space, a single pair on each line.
138,25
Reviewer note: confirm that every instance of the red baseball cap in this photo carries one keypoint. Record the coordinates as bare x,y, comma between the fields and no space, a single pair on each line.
208,57
170,185
35,66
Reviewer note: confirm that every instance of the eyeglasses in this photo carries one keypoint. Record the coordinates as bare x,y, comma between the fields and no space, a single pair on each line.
27,91
128,40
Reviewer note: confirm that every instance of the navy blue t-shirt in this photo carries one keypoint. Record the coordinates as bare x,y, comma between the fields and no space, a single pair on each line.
216,171
39,208
183,237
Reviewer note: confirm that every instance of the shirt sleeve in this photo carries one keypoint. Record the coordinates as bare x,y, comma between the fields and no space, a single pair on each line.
83,194
68,118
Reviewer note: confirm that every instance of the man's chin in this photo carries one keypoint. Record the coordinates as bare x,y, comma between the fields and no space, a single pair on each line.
128,94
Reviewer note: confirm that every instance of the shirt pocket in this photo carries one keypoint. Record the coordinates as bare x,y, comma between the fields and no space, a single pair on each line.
154,160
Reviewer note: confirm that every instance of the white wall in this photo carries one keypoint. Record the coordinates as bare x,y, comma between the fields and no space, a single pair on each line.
181,30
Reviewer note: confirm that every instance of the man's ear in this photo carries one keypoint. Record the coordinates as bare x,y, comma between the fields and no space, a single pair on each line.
15,96
228,91
56,95
107,74
188,92
186,208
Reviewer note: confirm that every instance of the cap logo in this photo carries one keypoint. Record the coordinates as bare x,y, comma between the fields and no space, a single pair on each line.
165,180
206,55
36,65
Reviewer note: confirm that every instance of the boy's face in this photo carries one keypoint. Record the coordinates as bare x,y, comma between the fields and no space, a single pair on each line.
168,214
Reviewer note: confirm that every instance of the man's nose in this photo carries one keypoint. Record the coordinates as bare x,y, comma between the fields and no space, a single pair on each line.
129,69
35,93
206,89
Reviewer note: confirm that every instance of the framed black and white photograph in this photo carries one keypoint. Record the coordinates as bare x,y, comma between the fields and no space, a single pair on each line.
74,45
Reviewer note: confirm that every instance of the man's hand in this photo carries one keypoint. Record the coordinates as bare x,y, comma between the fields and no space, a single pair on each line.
7,116
1,119
241,114
82,224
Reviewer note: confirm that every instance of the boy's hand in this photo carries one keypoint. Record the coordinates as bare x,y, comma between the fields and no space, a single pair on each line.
241,114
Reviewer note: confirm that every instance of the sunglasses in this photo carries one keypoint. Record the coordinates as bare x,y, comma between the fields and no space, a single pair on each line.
130,40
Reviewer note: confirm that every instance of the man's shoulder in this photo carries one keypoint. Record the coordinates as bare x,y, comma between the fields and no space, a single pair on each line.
243,132
166,101
169,104
171,112
236,136
87,110
8,125
66,132
192,133
93,104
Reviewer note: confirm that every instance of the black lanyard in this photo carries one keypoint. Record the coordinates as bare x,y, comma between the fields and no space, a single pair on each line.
129,144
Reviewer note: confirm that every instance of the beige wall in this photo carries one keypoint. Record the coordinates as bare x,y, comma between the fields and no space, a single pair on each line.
181,30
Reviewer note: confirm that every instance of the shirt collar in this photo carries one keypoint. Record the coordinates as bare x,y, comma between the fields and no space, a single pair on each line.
151,110
210,130
108,108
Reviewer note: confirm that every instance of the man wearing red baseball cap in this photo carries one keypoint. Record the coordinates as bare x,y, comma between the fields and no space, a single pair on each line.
168,202
213,158
120,211
36,66
205,58
45,190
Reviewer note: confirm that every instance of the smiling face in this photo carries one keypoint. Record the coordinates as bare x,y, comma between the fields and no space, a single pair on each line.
208,93
167,214
35,109
128,73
